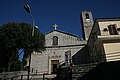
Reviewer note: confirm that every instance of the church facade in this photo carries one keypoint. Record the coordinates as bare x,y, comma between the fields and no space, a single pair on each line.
58,44
61,48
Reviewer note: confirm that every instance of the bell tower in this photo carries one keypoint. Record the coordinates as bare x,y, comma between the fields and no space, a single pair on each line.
87,23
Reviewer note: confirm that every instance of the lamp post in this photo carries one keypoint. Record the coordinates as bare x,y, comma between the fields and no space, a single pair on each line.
27,8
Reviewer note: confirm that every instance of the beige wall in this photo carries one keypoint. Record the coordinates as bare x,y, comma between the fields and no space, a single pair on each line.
111,45
105,24
103,46
112,51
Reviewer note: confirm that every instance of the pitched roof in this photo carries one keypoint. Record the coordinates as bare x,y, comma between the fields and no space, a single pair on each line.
61,32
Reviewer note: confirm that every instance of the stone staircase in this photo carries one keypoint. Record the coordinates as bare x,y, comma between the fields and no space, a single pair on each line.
45,76
79,70
75,72
22,75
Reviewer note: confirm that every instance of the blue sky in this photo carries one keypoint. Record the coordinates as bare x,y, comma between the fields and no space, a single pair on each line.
65,13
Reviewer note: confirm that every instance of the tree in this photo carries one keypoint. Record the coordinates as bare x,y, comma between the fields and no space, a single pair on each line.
14,36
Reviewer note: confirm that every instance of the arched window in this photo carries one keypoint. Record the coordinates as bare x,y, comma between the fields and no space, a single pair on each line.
87,16
55,40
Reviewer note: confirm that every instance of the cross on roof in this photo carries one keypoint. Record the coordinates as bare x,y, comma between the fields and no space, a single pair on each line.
55,26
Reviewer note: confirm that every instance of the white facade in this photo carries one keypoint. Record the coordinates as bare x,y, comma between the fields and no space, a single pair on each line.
111,42
54,55
104,40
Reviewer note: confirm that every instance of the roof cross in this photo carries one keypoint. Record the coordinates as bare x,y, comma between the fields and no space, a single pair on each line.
55,26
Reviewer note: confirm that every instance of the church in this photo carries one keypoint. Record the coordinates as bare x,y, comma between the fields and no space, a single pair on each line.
96,56
61,46
97,53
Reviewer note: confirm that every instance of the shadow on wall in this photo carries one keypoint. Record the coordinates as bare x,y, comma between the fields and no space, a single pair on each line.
81,57
104,71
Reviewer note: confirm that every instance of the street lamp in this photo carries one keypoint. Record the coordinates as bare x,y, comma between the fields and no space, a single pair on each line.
27,8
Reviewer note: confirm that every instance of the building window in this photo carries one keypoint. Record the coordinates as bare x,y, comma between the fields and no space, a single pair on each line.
55,40
112,29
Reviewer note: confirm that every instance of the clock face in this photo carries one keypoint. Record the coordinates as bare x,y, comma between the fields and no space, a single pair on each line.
87,20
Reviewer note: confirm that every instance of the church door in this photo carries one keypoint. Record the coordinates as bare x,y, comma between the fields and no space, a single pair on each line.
54,66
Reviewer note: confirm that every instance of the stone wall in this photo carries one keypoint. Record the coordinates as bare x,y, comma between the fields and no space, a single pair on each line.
13,75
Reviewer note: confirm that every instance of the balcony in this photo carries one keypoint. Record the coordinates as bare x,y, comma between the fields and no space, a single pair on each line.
105,36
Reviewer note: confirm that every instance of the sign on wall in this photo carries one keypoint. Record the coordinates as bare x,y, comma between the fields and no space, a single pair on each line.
54,56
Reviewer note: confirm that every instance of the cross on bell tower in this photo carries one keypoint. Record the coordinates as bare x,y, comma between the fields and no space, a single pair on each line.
55,26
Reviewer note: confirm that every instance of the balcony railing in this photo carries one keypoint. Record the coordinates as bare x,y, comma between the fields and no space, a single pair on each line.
106,36
106,33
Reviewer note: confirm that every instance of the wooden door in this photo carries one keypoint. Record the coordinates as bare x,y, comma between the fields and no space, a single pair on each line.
54,66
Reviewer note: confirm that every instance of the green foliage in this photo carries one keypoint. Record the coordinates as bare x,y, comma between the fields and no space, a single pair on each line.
16,66
15,36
